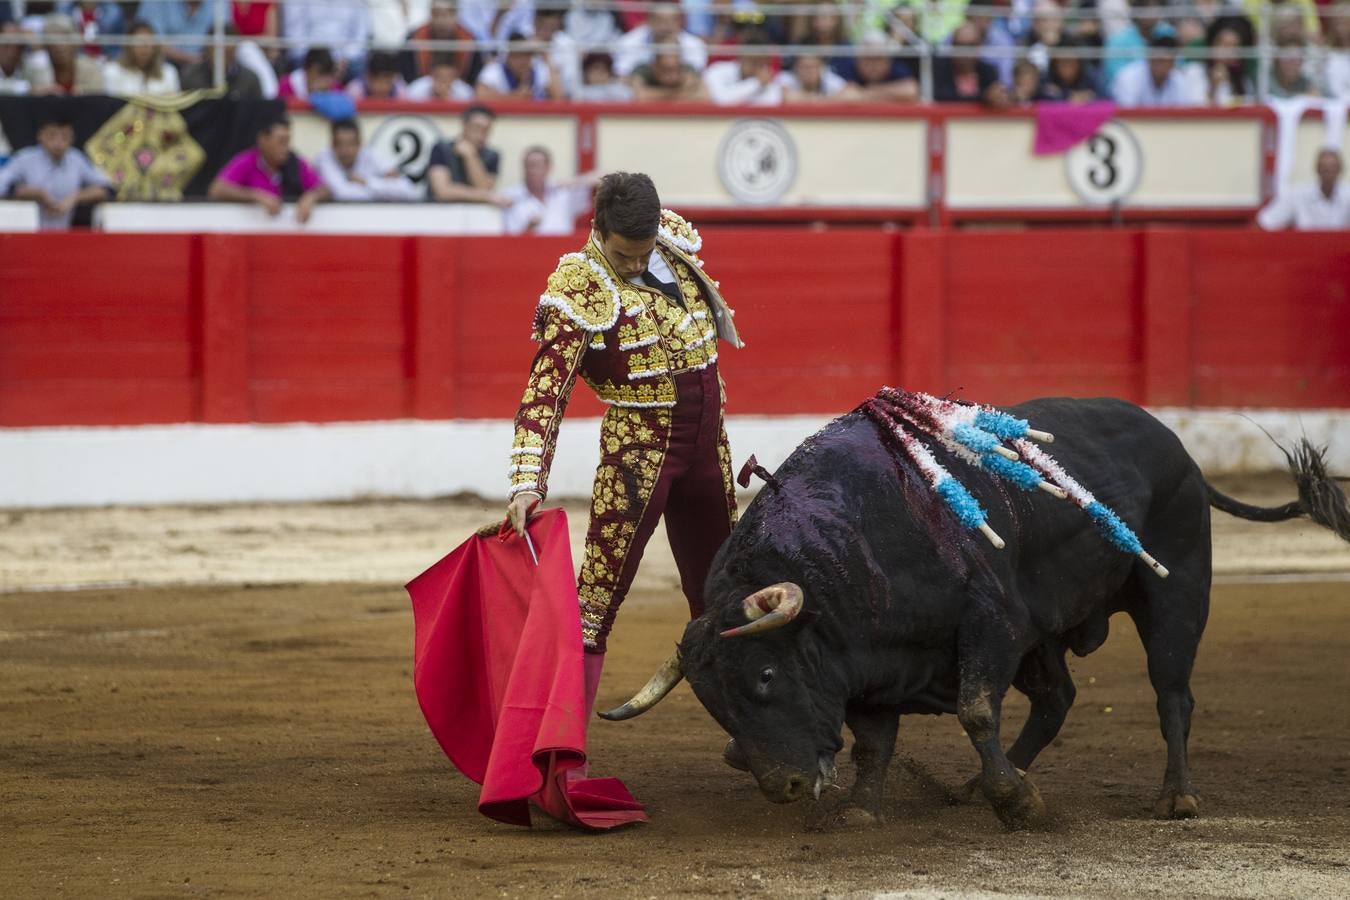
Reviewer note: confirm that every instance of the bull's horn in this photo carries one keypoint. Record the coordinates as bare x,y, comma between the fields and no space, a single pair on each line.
661,684
768,608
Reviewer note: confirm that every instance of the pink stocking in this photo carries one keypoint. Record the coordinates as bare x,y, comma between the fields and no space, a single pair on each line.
591,663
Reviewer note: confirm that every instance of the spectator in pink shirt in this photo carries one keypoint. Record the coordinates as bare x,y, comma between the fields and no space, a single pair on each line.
269,174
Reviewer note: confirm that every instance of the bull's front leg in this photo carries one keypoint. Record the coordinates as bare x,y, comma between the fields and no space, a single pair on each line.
988,661
874,732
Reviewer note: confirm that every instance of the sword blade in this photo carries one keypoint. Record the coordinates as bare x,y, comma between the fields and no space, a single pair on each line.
529,543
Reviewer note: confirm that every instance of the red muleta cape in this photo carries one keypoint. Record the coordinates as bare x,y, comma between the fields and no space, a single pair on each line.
498,673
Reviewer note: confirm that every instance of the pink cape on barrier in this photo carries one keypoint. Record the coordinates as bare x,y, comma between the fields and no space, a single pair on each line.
1062,126
498,673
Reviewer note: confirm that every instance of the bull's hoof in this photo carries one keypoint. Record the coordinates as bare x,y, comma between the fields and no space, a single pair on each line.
1176,805
970,792
857,817
735,757
1021,809
850,817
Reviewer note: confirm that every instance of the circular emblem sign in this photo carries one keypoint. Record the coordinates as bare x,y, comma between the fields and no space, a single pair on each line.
757,161
406,141
1105,168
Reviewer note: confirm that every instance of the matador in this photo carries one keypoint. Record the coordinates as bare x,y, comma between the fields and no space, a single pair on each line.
635,315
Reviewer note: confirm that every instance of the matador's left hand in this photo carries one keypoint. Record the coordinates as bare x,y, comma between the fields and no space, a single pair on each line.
519,509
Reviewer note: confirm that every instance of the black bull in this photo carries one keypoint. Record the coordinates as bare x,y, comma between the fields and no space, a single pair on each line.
903,611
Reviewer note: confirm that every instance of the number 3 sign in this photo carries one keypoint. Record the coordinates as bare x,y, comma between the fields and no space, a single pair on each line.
1105,168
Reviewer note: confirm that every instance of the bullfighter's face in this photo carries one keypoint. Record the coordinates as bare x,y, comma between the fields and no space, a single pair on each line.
627,255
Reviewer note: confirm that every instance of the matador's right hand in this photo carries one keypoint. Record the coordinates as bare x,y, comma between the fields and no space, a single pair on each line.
519,509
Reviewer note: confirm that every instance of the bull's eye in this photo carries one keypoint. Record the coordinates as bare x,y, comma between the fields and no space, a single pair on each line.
765,677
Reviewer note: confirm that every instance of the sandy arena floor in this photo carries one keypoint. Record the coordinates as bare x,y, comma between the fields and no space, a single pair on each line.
235,727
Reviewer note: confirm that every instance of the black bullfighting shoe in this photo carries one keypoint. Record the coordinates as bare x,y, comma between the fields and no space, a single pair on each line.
735,757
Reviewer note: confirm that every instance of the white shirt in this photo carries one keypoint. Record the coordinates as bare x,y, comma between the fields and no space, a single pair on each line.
831,82
1134,86
1338,74
379,184
556,213
343,25
299,86
609,92
421,89
634,49
388,23
563,52
476,16
119,81
656,264
1307,208
728,87
493,76
592,27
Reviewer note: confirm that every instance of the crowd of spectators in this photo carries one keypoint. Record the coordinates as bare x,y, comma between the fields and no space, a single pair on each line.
1037,50
464,169
1155,52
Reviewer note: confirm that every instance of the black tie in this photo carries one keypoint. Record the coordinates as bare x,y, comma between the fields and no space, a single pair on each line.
664,287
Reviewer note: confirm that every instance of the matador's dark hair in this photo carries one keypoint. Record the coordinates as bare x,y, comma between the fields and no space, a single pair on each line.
626,204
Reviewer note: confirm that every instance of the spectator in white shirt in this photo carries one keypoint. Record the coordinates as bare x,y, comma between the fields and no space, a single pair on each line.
748,81
12,80
563,53
1158,80
664,26
1324,204
591,25
140,69
389,24
343,25
1336,76
811,80
443,83
357,173
487,21
382,80
538,207
599,83
519,73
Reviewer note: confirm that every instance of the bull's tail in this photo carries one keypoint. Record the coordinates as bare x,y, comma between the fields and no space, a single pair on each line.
1320,498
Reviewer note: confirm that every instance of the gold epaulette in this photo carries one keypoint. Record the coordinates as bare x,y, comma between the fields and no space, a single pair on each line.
676,231
582,290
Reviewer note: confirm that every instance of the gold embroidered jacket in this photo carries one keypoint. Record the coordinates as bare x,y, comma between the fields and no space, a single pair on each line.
625,341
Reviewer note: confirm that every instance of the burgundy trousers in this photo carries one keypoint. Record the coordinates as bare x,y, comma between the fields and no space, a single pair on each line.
692,489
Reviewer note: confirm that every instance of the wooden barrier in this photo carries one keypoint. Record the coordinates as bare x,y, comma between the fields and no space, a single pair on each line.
135,329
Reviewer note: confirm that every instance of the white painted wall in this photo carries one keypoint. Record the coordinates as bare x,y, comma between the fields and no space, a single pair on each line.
328,218
46,467
19,215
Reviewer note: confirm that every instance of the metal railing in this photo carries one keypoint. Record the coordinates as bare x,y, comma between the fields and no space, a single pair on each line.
907,38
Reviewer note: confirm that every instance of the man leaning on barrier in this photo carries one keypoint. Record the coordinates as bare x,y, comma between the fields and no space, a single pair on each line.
464,170
269,173
356,173
55,174
1323,204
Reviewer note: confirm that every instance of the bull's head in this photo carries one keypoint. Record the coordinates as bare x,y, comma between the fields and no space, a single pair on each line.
764,683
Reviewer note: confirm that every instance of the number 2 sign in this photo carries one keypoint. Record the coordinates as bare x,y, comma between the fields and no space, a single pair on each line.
1105,168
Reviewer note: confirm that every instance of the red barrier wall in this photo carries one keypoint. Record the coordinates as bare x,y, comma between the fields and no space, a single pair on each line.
131,329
